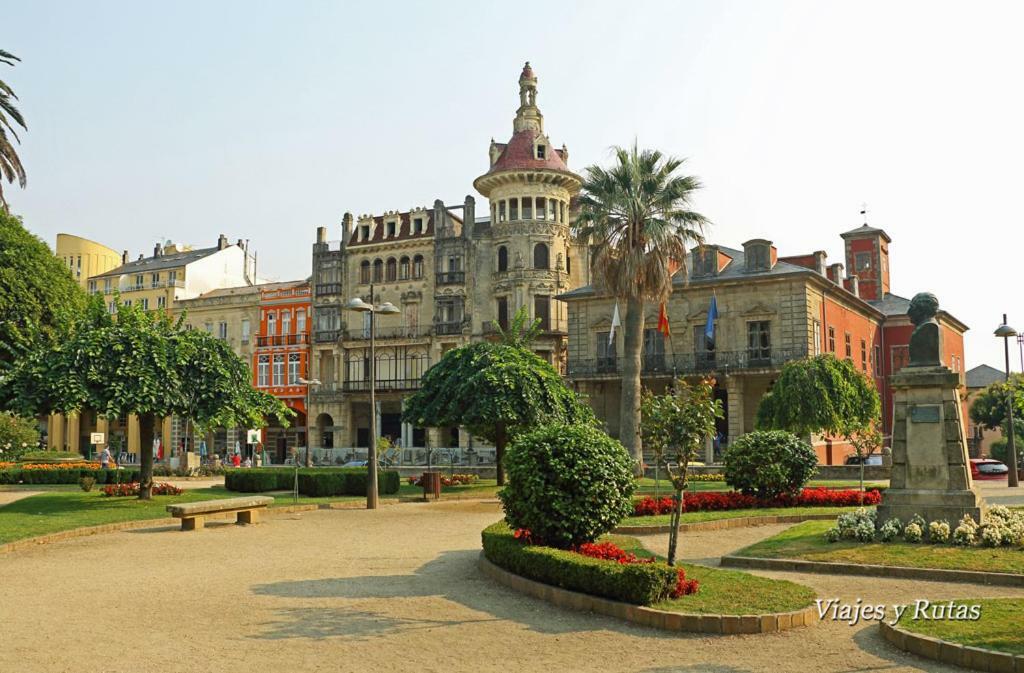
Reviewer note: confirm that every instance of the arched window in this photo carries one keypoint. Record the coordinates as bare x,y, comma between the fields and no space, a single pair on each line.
364,272
417,266
502,258
403,269
378,270
392,270
568,264
540,256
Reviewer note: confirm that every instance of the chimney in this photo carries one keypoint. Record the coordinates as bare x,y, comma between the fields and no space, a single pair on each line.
440,218
124,257
241,244
835,273
222,242
468,217
157,250
346,228
321,234
853,285
141,257
820,262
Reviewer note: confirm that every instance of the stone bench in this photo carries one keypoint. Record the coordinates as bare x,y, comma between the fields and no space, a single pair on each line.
193,513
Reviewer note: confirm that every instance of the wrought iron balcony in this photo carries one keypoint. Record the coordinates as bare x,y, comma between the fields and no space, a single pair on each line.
283,340
451,277
669,364
324,336
328,289
382,385
449,327
400,332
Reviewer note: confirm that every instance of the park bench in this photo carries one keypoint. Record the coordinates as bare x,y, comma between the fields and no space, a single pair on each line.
193,513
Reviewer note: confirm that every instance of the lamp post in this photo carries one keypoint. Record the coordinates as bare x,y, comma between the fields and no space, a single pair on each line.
1005,331
308,383
387,308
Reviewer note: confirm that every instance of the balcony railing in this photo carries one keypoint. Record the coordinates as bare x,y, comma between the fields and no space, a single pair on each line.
668,364
385,384
451,277
326,391
283,340
328,289
400,332
449,327
144,286
324,336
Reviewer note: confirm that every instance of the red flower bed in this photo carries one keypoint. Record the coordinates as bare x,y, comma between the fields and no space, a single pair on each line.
454,480
707,501
132,489
609,551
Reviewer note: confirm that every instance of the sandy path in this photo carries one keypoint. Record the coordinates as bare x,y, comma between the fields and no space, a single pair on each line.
7,497
351,590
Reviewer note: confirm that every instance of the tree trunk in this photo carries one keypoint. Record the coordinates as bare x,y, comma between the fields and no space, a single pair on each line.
145,463
629,411
500,438
673,535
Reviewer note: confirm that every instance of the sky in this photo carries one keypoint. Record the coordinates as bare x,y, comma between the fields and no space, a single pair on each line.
265,120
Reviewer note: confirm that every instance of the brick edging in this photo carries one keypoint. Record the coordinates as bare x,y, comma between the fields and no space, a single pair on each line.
974,658
638,614
722,524
897,572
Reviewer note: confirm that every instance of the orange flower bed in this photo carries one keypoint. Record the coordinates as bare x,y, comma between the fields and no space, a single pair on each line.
53,466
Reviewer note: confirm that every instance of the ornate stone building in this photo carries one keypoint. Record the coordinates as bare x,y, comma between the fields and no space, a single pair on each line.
453,275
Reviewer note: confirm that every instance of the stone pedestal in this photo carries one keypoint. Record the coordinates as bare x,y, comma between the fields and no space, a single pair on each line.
931,475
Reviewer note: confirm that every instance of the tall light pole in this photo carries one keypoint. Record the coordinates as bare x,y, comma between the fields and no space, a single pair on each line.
387,308
1005,331
308,383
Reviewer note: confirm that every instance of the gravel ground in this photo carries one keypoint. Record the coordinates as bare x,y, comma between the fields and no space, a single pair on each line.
391,590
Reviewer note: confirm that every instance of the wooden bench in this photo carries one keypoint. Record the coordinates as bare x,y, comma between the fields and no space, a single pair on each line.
193,513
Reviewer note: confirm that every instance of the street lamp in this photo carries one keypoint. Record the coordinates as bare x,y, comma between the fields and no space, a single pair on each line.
1005,331
387,308
308,383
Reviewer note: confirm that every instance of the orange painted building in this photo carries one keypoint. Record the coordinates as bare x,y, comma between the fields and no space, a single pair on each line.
281,360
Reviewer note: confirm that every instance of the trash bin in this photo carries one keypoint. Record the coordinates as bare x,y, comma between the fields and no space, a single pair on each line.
431,482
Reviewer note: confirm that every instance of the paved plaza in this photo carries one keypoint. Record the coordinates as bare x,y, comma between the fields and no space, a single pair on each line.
391,590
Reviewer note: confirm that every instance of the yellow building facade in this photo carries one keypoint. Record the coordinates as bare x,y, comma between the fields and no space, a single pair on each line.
85,258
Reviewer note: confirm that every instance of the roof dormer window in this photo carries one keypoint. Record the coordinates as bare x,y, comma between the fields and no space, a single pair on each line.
541,151
391,229
758,255
417,225
705,261
364,232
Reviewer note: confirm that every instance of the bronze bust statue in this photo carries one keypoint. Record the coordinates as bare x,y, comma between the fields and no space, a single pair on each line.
924,342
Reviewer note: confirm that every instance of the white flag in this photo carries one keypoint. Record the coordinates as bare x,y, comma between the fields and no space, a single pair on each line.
615,323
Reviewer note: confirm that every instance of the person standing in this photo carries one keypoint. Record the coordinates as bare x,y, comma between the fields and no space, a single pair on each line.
105,458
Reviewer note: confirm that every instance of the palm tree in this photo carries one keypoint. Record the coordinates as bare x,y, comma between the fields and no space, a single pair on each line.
636,215
10,164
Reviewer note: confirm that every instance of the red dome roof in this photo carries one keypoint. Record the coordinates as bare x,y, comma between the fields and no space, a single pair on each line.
518,155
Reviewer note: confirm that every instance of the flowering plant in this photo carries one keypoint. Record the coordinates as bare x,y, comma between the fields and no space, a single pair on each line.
132,489
703,501
609,551
453,480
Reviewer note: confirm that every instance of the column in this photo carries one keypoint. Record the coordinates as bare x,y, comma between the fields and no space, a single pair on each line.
73,435
134,435
709,450
103,425
734,387
55,435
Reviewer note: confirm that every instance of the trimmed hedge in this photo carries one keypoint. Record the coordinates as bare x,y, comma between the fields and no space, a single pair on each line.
67,475
314,482
636,583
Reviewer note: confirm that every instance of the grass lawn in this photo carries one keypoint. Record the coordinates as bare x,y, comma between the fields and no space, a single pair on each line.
728,592
646,485
998,628
694,517
807,541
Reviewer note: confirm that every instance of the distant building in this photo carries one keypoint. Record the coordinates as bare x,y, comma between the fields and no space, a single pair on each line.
771,310
85,258
979,440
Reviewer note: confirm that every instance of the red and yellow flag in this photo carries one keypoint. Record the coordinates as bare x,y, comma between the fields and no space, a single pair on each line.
663,322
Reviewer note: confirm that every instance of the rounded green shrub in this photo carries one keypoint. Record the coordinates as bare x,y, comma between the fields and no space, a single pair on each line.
769,463
567,484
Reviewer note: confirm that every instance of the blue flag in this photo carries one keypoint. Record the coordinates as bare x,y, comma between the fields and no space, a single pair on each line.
709,327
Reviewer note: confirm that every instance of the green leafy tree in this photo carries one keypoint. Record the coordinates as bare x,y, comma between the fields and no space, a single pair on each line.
637,216
568,484
496,391
989,407
18,436
865,442
820,395
144,364
10,165
675,426
38,297
521,331
769,463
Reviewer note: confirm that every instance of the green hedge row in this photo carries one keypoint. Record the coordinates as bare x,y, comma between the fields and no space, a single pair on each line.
66,476
637,583
314,482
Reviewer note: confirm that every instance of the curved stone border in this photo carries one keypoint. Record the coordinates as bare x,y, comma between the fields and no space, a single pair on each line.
638,614
722,524
974,658
896,572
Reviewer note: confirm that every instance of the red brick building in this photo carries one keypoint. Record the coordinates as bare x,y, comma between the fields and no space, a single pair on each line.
281,359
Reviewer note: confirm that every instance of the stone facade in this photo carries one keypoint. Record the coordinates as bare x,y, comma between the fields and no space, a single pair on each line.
454,277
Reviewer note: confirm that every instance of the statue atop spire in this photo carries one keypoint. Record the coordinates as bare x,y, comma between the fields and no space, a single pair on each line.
528,116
